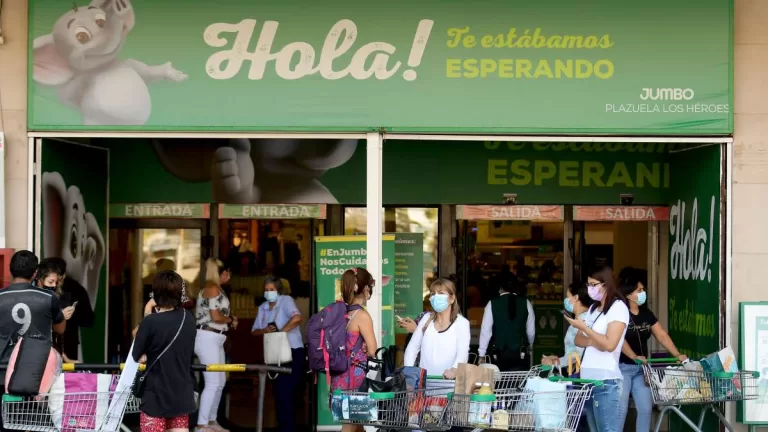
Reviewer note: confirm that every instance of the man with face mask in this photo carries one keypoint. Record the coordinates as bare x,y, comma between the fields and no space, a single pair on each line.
73,295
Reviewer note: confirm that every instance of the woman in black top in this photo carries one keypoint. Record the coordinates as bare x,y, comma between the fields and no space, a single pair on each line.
169,385
642,324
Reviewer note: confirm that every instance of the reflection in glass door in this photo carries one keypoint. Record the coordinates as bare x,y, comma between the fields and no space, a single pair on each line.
136,255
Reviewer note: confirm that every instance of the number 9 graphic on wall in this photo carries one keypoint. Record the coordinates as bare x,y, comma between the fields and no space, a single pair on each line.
24,319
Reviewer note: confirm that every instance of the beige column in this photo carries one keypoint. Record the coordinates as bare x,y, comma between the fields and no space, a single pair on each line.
750,165
13,119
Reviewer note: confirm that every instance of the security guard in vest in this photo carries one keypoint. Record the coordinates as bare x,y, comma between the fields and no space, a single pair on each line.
510,322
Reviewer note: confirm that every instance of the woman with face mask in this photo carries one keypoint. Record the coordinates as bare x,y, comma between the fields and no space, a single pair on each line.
442,337
642,325
280,314
356,289
576,303
509,318
602,336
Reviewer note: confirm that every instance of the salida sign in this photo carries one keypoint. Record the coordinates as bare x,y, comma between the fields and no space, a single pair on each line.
620,213
510,212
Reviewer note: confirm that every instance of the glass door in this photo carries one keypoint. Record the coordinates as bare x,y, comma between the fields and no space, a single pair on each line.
138,251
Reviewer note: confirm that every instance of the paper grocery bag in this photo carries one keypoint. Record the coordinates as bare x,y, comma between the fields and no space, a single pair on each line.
467,375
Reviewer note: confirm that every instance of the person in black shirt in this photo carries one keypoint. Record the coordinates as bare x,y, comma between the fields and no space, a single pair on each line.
72,292
26,310
47,277
642,324
169,385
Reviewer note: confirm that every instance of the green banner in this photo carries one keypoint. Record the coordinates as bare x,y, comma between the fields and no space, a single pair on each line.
332,171
159,211
593,66
409,275
271,211
74,217
694,284
333,256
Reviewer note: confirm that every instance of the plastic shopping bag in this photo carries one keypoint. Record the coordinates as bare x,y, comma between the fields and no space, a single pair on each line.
549,402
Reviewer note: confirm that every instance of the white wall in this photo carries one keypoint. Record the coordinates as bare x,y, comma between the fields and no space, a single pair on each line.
13,119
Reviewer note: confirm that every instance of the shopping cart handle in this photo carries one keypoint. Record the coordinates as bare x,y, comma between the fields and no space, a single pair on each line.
659,360
558,378
723,375
755,374
437,377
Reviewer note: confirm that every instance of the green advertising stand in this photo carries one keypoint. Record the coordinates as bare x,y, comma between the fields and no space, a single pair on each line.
333,256
753,355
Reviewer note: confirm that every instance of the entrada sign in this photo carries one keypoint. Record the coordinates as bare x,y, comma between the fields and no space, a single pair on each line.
271,211
161,211
372,60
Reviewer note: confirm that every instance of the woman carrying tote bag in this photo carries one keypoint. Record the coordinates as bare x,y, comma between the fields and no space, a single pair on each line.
278,321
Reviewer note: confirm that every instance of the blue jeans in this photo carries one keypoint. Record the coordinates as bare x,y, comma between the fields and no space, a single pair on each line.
634,383
602,407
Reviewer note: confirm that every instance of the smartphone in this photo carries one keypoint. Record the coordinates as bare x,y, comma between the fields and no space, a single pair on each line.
565,314
399,318
74,305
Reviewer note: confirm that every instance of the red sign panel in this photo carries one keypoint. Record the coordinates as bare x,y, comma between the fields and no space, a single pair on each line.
510,212
620,213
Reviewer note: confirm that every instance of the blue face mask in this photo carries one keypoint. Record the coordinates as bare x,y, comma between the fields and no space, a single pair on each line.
568,305
641,298
271,296
439,302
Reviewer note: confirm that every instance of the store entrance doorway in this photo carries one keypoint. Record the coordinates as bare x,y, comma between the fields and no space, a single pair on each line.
526,242
138,249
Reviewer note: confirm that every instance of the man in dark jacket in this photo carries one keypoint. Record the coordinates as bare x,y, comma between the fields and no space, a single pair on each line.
73,293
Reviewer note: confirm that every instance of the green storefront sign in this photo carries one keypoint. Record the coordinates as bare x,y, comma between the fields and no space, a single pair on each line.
591,66
333,256
159,211
694,285
409,275
467,173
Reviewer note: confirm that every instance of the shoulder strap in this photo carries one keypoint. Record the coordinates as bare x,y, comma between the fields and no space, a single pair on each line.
584,353
183,318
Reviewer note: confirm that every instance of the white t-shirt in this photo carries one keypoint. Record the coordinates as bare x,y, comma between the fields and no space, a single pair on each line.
600,365
440,351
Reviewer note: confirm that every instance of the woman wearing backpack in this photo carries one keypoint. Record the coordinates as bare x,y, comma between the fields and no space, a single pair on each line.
356,285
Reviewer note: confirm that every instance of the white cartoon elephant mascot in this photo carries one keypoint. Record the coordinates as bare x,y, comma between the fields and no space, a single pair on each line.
71,233
244,171
80,59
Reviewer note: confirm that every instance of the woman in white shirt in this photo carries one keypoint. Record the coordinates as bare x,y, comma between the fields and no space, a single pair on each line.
602,335
442,337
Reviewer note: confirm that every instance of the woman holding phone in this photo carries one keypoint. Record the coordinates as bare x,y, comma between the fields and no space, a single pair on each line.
280,314
602,335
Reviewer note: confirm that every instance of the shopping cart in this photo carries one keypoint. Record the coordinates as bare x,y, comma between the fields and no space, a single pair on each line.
404,410
674,384
516,408
516,380
70,412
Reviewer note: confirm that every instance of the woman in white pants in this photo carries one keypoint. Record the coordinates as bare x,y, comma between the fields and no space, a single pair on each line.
214,319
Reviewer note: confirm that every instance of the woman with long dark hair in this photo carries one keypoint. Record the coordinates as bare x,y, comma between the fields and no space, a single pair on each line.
510,320
602,335
642,325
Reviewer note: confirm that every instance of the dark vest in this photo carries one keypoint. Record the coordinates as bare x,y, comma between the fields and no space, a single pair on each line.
509,335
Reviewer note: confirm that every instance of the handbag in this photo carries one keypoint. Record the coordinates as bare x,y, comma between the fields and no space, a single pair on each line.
277,347
140,381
